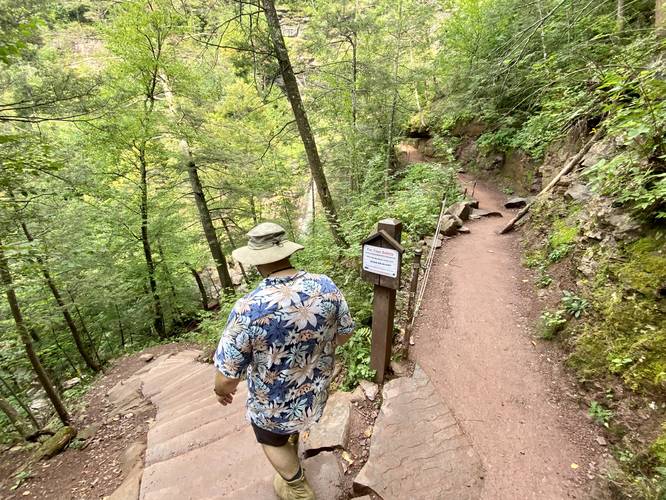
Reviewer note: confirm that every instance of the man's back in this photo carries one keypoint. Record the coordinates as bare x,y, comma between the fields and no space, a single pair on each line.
284,333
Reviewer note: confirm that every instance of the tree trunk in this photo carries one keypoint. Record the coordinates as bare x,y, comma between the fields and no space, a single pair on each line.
201,202
233,244
120,327
208,227
660,18
620,14
14,417
309,144
394,103
64,353
15,394
201,287
45,381
158,314
87,358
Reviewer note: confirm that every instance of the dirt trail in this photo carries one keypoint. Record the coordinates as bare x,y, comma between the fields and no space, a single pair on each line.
473,340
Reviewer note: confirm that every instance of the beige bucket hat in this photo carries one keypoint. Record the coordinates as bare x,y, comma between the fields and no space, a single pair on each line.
267,243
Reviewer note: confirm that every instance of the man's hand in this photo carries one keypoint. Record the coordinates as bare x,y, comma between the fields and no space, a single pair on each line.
225,399
225,388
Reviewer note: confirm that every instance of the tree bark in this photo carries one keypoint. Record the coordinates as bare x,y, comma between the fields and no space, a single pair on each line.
620,15
43,377
158,314
87,358
233,244
660,18
309,144
201,287
14,417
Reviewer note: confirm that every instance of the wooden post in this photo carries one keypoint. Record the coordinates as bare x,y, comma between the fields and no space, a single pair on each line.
413,285
382,254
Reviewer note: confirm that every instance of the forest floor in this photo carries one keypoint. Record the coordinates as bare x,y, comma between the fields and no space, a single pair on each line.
508,389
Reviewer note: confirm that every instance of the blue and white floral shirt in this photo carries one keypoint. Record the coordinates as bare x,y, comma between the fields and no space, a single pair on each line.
283,334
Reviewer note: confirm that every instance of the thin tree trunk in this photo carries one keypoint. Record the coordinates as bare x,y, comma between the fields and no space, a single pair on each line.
55,291
44,379
120,327
620,15
15,394
64,353
14,417
169,279
158,314
200,201
233,244
660,18
394,103
309,144
201,287
91,342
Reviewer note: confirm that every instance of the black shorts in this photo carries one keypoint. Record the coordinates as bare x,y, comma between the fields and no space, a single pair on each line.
270,438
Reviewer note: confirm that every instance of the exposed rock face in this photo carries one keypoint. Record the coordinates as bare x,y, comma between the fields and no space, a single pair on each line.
578,192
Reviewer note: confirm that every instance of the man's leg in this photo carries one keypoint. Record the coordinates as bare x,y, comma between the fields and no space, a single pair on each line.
282,452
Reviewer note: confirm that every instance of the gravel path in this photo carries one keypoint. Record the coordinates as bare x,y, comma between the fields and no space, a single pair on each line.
473,340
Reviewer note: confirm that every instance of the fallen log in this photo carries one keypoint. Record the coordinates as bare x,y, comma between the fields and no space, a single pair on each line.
571,164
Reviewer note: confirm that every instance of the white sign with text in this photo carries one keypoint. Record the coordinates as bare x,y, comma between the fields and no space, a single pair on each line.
384,261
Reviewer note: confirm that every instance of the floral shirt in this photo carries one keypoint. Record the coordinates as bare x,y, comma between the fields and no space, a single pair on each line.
283,335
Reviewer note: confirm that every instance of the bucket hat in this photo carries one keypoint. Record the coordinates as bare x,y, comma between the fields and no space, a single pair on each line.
267,242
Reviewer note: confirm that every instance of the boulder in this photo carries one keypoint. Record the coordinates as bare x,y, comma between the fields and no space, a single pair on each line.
72,382
89,432
432,241
464,230
56,443
477,213
578,192
357,395
461,210
399,368
449,226
332,431
146,357
325,474
370,389
516,202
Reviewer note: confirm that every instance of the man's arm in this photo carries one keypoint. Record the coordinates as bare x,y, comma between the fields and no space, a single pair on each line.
225,388
345,322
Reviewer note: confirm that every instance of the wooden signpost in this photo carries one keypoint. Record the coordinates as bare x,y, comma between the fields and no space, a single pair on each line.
382,260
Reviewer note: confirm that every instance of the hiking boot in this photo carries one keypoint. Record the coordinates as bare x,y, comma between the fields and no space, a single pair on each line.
298,489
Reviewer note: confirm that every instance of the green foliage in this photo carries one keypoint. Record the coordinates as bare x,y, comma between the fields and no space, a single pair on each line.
573,304
551,324
601,415
355,355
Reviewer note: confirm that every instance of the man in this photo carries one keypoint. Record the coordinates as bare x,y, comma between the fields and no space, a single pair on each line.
283,335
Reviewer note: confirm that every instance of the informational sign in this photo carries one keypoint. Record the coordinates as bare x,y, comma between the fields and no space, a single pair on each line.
383,261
